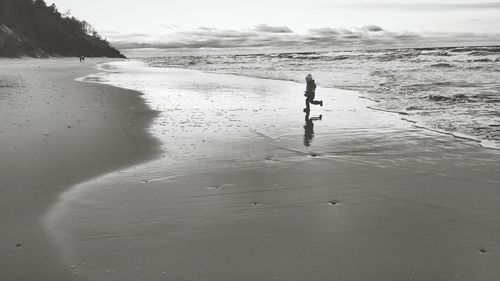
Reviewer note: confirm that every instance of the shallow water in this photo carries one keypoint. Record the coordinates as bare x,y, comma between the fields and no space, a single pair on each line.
455,90
249,188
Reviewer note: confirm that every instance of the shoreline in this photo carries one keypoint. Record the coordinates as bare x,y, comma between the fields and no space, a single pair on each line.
57,132
484,143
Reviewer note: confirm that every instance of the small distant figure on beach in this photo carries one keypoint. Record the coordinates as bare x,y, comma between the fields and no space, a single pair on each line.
82,59
309,128
310,93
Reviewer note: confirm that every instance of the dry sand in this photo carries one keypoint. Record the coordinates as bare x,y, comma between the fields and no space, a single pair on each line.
55,132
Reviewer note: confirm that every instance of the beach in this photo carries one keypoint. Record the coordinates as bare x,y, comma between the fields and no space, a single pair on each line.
56,132
144,173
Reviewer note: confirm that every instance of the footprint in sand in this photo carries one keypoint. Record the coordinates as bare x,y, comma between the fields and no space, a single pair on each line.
333,202
270,159
220,186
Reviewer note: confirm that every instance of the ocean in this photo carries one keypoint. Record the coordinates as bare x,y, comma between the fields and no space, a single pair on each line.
450,90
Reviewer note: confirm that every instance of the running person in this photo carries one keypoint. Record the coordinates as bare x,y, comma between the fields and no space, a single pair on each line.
310,93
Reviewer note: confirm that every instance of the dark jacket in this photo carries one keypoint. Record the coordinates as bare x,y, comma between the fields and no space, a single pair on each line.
311,87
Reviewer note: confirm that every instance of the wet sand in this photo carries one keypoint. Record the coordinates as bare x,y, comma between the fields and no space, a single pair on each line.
56,132
249,188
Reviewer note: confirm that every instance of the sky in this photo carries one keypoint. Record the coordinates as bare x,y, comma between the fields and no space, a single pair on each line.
231,23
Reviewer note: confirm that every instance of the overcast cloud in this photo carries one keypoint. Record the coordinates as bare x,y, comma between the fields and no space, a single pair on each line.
281,36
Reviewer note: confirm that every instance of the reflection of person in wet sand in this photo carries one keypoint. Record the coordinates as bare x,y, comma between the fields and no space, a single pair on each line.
309,128
310,93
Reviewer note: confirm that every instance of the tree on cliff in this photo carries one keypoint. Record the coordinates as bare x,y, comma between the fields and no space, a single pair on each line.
31,28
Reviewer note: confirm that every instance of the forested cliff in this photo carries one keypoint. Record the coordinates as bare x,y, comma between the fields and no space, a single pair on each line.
31,28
